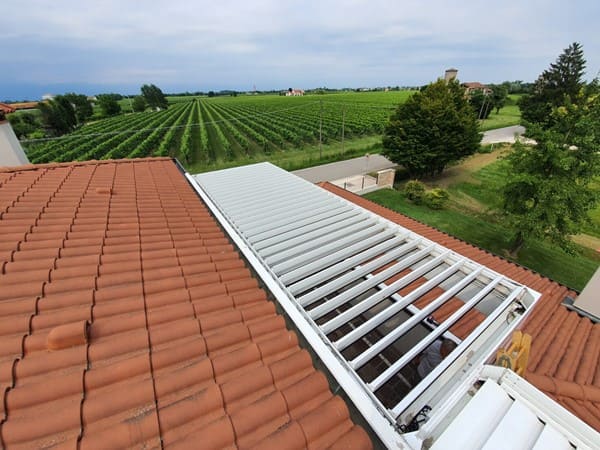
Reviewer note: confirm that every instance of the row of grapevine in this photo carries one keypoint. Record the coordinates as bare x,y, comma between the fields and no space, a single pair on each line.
222,141
204,130
81,141
203,134
293,133
259,139
185,149
232,130
169,138
150,144
134,140
257,123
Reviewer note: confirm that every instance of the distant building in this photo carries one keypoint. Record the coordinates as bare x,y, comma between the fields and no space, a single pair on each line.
474,86
11,153
24,105
294,92
48,97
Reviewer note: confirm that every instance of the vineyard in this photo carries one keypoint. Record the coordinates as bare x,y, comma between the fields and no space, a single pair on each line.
207,132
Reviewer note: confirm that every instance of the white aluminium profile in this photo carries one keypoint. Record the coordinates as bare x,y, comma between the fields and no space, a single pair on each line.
377,297
389,312
329,261
502,410
462,347
431,337
354,291
390,247
363,401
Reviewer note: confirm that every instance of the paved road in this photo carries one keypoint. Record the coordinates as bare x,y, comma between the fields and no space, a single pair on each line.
343,169
373,163
502,135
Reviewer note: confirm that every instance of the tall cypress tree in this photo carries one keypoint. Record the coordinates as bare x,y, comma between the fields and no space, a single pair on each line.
549,189
558,85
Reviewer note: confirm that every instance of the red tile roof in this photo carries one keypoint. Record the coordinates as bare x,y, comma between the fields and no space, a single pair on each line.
474,85
565,353
24,105
127,318
6,108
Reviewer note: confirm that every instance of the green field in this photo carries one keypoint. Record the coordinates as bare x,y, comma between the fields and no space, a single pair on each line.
471,216
207,133
507,116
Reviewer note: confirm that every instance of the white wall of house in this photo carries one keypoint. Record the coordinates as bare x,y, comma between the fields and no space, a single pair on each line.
11,153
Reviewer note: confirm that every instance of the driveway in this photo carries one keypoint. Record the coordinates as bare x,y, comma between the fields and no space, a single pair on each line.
373,163
506,134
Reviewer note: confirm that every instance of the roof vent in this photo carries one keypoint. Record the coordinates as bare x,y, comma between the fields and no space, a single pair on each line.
103,191
66,336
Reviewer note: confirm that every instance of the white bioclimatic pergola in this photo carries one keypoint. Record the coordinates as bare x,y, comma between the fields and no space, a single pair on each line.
351,280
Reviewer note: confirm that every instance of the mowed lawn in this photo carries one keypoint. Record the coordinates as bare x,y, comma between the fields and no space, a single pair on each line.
506,117
471,216
310,155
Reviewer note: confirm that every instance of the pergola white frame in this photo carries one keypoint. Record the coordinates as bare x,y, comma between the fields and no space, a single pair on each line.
306,244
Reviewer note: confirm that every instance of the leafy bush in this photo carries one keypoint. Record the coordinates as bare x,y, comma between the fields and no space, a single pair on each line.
414,191
436,198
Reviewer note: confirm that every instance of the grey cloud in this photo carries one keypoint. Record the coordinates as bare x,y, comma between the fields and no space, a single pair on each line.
272,43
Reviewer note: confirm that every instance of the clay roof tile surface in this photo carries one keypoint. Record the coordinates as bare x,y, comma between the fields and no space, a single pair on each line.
565,351
6,109
127,318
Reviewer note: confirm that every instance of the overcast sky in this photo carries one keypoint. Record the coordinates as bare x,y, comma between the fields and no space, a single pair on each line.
117,45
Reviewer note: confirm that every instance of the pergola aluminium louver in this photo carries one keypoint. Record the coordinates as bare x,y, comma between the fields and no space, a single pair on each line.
363,291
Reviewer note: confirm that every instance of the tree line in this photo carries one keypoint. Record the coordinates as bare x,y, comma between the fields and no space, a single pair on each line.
64,113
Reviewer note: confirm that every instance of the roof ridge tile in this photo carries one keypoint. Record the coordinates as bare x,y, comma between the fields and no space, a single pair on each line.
92,162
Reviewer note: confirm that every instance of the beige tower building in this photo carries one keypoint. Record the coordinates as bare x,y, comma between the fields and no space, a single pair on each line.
450,74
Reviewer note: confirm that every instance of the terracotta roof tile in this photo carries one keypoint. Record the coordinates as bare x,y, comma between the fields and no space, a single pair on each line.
22,105
6,108
127,318
565,346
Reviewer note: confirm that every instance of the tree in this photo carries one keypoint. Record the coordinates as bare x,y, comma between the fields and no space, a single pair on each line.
154,96
556,86
109,105
83,107
499,96
24,124
431,129
58,115
485,102
482,103
549,193
139,104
